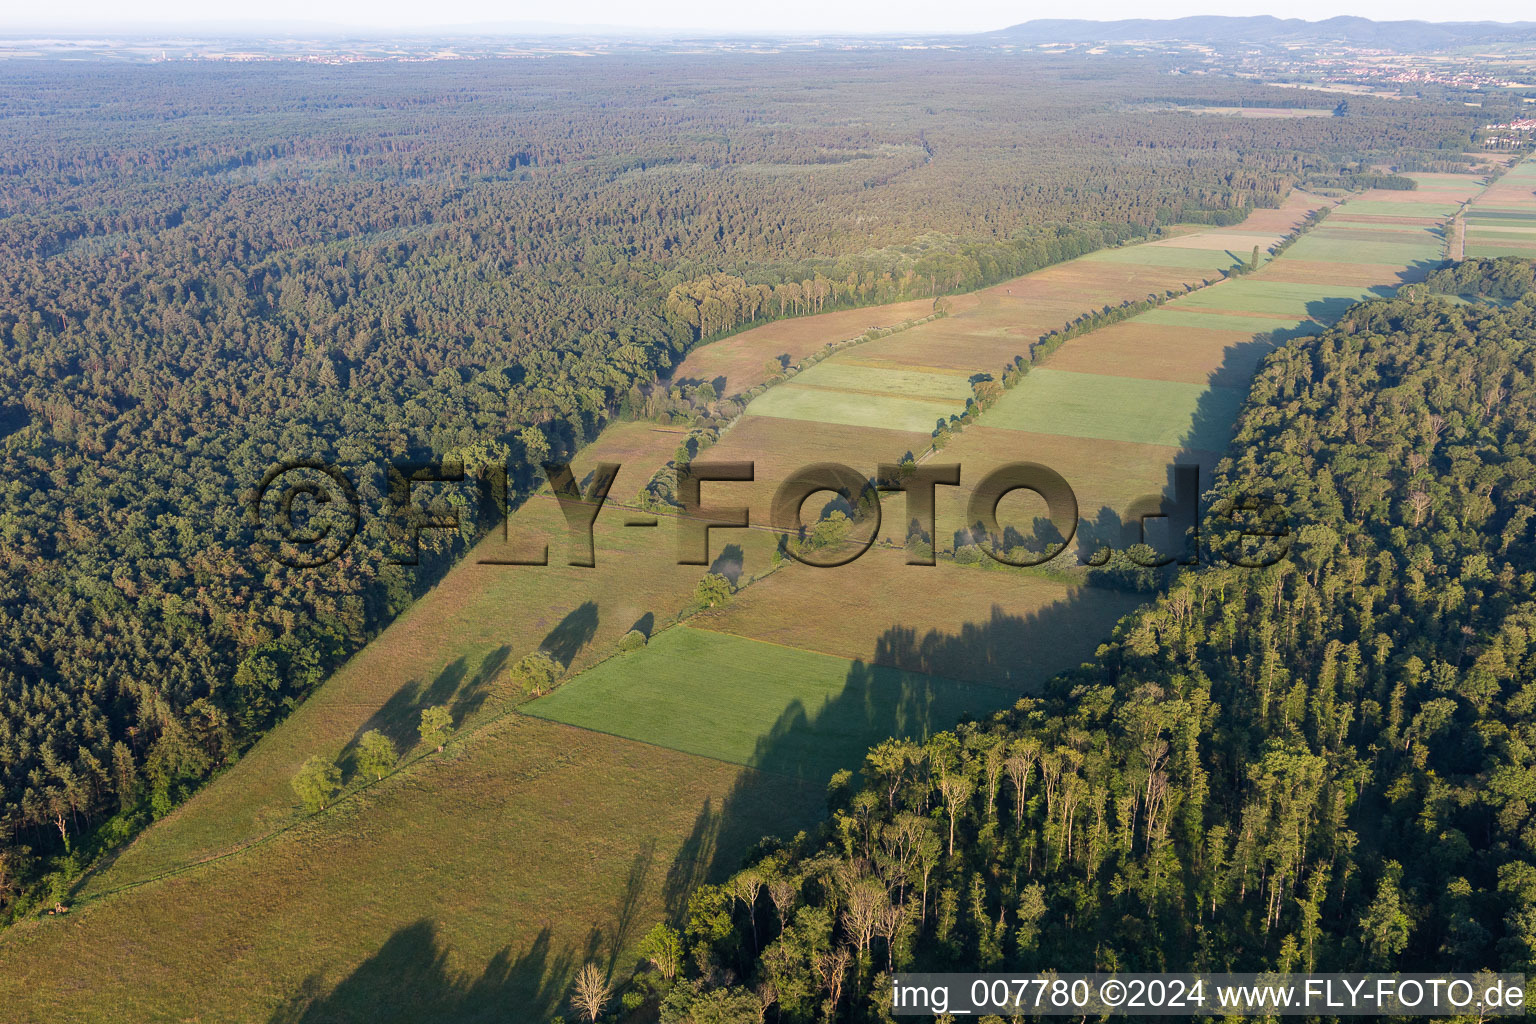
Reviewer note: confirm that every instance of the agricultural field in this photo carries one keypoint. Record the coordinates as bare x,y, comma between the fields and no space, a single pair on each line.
768,706
1097,405
1010,629
1224,357
1278,298
1502,222
738,363
1164,386
481,878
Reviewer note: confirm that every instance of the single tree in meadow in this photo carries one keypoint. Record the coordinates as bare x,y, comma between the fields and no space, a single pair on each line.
535,673
317,781
592,992
376,755
713,589
436,724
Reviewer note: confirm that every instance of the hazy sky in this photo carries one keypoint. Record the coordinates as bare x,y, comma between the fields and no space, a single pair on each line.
778,16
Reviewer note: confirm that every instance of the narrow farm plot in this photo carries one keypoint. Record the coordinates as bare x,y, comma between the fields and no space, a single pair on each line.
768,706
854,408
1164,254
738,363
1327,247
1161,412
1154,351
1251,295
1011,629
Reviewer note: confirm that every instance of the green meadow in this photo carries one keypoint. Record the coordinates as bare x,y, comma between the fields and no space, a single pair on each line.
1326,249
1174,317
893,382
1170,413
1311,301
1376,208
1171,256
853,409
778,709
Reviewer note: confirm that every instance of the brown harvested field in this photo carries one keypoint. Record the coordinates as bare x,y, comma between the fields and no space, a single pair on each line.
1430,195
1007,628
1507,196
1285,218
1103,474
1240,242
540,846
1365,218
740,358
1165,352
778,447
1432,180
1004,325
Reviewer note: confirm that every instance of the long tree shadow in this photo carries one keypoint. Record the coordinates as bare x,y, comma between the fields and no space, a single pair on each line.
410,981
567,639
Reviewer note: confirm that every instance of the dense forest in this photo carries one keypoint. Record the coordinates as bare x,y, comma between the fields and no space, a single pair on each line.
1325,764
206,270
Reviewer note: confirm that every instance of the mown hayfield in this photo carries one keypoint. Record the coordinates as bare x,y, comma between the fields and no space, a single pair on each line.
475,883
1365,232
778,448
1103,474
741,359
1362,275
1154,351
819,405
450,647
1278,297
861,378
776,708
1240,242
1327,248
1469,184
1119,408
1162,254
1405,208
1484,211
1494,250
1174,316
1356,221
1502,223
1012,629
1369,230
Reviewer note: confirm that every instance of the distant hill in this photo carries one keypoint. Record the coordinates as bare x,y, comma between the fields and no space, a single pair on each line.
1268,30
